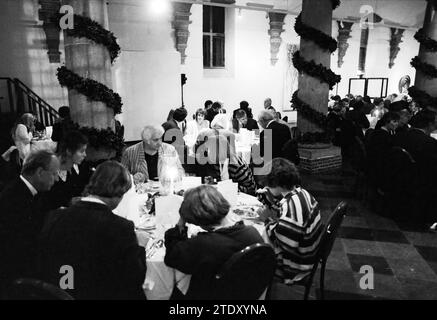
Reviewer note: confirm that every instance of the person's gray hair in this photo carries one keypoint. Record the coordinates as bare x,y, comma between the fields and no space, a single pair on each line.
149,130
35,160
266,116
220,121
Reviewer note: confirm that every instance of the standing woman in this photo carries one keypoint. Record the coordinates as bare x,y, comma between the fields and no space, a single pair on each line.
22,134
73,176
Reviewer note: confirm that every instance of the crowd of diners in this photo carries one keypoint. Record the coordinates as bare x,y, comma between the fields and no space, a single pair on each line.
58,209
396,123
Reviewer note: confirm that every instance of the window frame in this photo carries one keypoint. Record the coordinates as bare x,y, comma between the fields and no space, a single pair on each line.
211,35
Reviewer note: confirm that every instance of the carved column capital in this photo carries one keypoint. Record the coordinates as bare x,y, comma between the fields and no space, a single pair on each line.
276,21
395,40
344,33
180,23
48,9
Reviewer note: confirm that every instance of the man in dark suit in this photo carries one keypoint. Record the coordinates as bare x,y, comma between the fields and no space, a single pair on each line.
20,218
423,149
63,124
378,146
280,134
178,122
101,248
242,121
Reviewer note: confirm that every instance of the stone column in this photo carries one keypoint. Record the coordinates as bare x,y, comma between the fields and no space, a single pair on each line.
423,82
317,14
89,60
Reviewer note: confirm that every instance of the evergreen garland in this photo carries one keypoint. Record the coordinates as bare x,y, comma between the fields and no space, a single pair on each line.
427,69
421,97
309,113
315,70
92,89
309,33
335,4
427,42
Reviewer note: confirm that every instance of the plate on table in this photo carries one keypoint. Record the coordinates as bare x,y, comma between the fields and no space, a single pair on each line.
247,212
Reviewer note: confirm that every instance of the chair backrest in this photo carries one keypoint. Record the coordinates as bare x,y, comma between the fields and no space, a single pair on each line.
246,274
331,230
32,289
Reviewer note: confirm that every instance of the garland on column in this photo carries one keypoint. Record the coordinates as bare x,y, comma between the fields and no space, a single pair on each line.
325,75
84,27
420,96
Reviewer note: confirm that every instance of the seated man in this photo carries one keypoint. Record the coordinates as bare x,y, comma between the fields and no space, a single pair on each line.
101,248
242,121
21,219
297,229
146,156
280,134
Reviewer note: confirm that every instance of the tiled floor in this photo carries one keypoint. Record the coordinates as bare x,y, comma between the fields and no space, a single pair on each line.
404,261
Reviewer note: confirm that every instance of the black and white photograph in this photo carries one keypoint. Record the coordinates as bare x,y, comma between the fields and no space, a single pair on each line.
224,156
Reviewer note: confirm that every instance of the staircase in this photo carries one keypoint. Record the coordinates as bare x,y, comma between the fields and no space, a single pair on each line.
16,98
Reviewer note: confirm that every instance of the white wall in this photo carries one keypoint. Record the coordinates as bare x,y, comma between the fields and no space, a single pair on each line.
23,51
377,58
147,75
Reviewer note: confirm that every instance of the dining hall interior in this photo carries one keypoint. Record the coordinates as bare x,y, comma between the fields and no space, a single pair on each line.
218,150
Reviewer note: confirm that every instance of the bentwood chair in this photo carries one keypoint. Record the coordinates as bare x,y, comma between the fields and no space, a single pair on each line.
329,235
32,289
247,274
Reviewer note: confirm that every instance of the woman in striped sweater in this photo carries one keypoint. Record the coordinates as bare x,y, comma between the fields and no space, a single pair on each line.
296,231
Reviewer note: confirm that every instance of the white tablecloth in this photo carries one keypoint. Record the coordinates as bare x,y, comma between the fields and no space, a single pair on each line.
161,279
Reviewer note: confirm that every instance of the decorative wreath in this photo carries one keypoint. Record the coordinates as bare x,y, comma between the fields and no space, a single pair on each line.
325,75
85,27
429,70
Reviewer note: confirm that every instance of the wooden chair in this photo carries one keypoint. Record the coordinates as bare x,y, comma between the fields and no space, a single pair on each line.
325,247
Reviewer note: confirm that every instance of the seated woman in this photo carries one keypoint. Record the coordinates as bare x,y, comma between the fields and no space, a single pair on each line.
217,157
73,177
102,248
202,255
194,127
22,134
295,227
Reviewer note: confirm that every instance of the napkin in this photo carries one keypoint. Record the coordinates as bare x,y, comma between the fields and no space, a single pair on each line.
191,182
229,190
167,209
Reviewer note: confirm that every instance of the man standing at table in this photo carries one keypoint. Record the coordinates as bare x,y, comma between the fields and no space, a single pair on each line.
146,156
280,134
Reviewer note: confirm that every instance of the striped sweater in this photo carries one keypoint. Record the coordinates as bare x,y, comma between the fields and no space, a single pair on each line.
296,235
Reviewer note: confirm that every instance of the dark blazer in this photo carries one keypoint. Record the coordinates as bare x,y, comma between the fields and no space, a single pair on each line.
203,255
61,193
100,246
20,224
250,125
378,145
172,124
280,135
